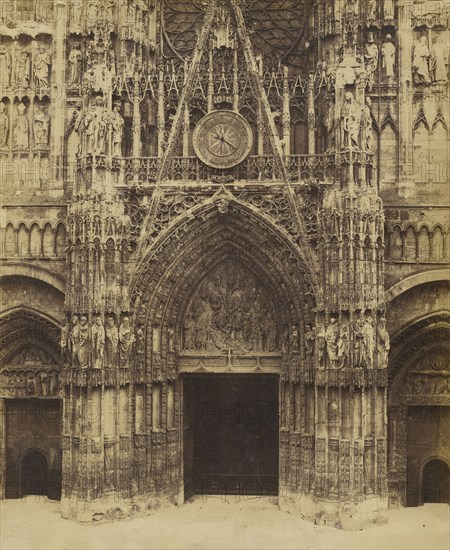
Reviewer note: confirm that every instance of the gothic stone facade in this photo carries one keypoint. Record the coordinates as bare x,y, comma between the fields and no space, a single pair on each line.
226,187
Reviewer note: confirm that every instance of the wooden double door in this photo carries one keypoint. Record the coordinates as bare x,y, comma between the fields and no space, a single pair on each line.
231,434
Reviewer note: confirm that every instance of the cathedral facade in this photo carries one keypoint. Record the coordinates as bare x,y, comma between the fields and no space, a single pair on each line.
224,255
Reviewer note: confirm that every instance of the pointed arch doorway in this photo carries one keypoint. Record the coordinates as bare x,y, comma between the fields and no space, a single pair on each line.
230,367
230,434
231,296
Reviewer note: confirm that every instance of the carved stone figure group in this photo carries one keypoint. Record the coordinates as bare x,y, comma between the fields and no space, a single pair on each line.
101,129
22,132
30,382
333,344
371,345
430,66
92,344
230,312
28,70
371,57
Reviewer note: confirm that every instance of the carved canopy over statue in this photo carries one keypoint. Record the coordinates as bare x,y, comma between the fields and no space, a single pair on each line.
230,311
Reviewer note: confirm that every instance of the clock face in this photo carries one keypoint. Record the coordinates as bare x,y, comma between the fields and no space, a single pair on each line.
222,139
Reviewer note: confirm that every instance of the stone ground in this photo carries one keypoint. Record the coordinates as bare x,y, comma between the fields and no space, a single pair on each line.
216,523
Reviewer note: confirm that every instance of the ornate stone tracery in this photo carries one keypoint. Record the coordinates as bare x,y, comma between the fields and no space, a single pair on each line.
274,262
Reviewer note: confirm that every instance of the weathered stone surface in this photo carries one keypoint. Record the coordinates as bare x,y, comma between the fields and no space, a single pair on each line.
318,253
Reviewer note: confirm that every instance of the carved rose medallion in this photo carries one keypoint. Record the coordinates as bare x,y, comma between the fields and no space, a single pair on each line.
222,139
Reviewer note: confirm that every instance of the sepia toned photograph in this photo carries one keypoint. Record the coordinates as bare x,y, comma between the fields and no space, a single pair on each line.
224,274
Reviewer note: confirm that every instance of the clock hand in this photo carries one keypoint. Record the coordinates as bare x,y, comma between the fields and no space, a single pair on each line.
234,147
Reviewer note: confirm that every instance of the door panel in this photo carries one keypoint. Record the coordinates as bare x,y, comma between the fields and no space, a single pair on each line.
188,439
232,421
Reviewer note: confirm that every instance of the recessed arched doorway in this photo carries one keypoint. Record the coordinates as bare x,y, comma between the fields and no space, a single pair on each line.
231,434
34,473
436,482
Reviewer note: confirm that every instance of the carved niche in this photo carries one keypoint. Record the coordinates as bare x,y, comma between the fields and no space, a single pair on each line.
230,311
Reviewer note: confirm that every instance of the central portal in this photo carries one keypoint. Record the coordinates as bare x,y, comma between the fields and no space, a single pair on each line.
231,432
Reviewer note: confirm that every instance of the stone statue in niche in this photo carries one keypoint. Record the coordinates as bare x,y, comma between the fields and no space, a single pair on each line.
190,336
64,341
5,66
44,380
352,7
42,64
343,346
75,59
331,127
295,343
371,60
351,120
98,343
369,342
171,339
383,343
420,64
359,341
331,339
321,344
100,123
388,10
73,339
83,342
270,333
371,11
75,16
439,60
91,13
84,126
31,384
388,57
4,125
140,341
23,69
309,341
41,124
21,129
111,342
126,340
229,311
117,123
368,124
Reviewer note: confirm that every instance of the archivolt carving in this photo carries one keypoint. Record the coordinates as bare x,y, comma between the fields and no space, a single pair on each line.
174,210
31,357
21,326
220,232
230,311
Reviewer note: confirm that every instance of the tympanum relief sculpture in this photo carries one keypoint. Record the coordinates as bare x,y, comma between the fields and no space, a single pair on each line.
230,311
